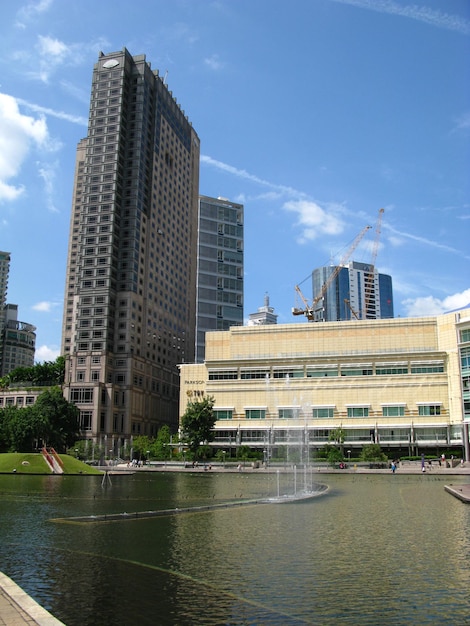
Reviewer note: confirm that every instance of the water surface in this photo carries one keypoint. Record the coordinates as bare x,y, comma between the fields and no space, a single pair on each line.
376,549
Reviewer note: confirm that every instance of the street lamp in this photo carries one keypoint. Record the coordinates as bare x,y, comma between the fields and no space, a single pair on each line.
349,456
223,456
76,453
148,457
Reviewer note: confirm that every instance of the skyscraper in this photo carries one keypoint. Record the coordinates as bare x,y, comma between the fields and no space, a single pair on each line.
220,268
357,292
17,339
130,294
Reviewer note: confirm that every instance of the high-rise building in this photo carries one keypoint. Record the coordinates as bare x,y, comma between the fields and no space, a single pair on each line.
264,316
130,294
4,272
220,268
18,341
357,292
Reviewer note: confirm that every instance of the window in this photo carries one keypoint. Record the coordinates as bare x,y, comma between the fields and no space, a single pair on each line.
427,369
223,414
465,358
321,372
86,418
223,375
393,411
356,370
80,376
465,335
358,411
81,395
288,413
95,375
323,412
388,371
429,409
254,374
255,414
288,373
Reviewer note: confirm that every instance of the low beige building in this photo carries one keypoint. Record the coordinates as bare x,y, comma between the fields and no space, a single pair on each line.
283,389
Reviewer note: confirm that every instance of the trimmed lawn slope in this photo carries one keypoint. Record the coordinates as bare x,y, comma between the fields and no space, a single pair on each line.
35,464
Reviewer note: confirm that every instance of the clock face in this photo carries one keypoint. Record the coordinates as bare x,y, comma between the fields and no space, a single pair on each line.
110,63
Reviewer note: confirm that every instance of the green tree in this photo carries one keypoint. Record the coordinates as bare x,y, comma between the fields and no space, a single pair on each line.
197,424
48,373
372,452
333,454
337,436
57,419
161,449
141,445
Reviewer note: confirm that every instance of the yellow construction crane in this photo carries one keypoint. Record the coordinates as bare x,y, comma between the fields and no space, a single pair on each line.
309,309
369,276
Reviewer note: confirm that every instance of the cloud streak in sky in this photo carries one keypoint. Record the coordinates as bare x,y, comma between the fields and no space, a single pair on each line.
414,12
18,133
230,169
74,119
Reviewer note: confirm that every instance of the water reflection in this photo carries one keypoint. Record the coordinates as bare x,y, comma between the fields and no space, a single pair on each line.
375,549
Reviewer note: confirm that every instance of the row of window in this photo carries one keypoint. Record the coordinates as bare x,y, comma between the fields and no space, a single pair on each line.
329,412
287,373
270,437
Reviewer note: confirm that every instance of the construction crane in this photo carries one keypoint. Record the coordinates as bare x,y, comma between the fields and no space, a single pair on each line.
348,304
369,276
309,308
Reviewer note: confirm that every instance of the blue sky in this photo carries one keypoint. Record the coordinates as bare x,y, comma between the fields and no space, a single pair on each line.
312,113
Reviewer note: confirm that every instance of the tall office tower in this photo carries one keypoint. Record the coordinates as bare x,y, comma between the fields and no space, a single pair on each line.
264,316
130,294
220,268
355,293
4,271
18,341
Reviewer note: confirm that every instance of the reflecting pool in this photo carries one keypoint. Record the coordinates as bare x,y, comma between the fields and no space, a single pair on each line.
375,549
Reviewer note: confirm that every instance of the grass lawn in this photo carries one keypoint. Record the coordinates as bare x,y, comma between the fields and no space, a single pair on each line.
25,463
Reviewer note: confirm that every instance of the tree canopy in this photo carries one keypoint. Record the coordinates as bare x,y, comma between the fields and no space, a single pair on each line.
51,421
48,373
197,424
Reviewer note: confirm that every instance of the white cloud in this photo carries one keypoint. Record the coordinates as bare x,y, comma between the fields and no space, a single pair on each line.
314,220
430,305
61,115
48,173
214,63
397,237
46,353
44,306
413,11
230,169
17,134
463,122
32,9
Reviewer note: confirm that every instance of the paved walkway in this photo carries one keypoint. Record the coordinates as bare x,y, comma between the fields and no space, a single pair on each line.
19,609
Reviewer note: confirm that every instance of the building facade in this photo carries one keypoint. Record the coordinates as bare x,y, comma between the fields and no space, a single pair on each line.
219,268
17,339
130,293
358,291
403,383
18,342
